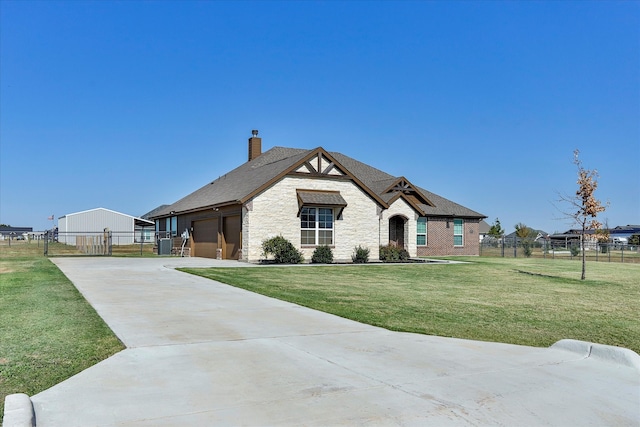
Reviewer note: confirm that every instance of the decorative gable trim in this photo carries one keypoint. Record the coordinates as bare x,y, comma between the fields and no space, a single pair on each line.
410,193
401,184
318,163
306,168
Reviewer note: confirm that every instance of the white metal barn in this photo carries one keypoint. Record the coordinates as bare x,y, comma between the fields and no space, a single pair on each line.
125,229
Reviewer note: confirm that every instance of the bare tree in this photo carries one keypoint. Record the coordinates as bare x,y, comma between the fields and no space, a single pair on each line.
584,207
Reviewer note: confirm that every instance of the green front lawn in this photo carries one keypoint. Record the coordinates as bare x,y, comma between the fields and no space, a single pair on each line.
48,332
520,301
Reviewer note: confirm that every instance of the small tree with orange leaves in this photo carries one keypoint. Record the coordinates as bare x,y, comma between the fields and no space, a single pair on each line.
584,206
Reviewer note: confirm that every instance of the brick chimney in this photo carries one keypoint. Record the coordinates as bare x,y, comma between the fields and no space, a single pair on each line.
255,145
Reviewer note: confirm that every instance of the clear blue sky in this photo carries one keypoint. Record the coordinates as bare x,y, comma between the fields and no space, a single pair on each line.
130,105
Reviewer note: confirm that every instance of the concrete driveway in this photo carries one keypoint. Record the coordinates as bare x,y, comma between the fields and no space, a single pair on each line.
201,353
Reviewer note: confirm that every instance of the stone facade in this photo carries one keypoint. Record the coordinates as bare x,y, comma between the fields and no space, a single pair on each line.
362,222
275,212
402,209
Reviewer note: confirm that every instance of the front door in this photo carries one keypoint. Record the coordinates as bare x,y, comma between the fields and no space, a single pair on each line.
397,231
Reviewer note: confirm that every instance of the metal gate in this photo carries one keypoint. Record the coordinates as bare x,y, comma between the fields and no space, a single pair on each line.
93,243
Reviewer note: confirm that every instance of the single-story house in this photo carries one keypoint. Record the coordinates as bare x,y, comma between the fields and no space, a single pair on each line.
125,229
483,229
622,233
618,235
8,232
316,197
534,235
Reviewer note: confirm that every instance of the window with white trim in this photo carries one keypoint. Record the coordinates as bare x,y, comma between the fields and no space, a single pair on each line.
458,232
421,235
316,226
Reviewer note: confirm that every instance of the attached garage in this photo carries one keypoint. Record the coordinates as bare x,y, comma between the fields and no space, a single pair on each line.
231,230
221,232
204,238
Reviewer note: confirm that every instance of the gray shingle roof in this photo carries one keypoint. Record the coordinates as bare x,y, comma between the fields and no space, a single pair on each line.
153,212
240,183
378,181
445,207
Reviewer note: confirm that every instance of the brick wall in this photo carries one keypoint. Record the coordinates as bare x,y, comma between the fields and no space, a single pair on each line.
440,238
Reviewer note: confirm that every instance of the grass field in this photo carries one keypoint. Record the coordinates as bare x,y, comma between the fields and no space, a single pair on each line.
48,332
521,301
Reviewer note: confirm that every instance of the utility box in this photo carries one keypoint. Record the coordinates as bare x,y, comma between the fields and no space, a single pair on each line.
164,246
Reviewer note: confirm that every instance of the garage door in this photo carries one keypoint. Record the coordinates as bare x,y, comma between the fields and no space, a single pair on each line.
205,238
231,236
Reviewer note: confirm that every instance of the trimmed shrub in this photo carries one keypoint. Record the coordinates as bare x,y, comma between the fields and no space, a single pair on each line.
282,250
392,253
322,255
360,255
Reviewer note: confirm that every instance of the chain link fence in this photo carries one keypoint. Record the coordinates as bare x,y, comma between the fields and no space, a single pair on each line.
549,249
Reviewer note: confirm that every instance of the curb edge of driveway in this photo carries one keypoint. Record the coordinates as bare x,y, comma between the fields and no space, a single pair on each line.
608,353
18,411
18,407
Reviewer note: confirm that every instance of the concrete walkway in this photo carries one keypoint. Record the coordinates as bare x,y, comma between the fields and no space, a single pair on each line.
201,353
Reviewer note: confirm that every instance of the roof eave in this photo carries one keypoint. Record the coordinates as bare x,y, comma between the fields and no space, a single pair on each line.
198,209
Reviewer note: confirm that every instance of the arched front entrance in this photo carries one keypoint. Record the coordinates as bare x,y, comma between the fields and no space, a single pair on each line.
397,231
